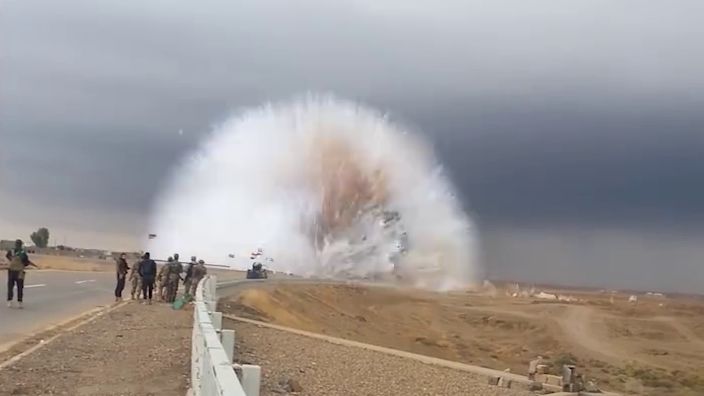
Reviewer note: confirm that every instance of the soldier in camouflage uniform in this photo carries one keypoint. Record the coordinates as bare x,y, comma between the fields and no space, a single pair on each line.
136,281
189,275
199,271
162,279
174,277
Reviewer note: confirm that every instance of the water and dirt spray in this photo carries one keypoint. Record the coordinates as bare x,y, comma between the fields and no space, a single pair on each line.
326,188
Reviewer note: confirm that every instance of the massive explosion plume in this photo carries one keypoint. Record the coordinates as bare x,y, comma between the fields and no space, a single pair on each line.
325,188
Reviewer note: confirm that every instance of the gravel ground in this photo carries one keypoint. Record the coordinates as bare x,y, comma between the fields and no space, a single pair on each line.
134,350
321,368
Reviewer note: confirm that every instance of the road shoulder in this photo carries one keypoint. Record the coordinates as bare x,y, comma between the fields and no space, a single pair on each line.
133,350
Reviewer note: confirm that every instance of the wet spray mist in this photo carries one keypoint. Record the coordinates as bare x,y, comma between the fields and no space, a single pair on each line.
325,188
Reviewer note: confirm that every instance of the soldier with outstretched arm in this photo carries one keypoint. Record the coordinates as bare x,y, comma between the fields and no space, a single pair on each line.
19,261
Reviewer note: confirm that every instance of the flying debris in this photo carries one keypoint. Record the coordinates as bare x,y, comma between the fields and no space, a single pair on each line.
342,193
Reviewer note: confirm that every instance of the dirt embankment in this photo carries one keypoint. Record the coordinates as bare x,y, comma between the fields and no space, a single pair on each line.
650,349
68,263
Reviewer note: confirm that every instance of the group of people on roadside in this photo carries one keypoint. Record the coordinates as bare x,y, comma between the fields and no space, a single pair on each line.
145,275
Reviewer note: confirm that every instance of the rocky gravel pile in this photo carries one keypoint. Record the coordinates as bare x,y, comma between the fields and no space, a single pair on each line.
293,364
134,350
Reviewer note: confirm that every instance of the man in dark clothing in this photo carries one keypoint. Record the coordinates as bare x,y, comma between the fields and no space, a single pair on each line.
121,269
19,260
147,270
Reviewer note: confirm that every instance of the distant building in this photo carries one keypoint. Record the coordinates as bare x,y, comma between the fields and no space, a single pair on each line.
6,244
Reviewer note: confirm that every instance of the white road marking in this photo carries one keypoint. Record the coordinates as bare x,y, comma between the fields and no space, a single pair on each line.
30,286
84,281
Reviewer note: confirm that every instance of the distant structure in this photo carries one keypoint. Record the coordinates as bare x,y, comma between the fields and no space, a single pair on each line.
546,296
6,244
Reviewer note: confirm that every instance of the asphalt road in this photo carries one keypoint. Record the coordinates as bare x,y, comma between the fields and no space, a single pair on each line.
51,297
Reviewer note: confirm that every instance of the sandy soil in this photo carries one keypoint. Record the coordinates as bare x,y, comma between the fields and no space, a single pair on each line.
133,350
72,263
653,348
321,368
68,263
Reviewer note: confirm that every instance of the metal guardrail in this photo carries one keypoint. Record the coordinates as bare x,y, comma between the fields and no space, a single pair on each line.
212,351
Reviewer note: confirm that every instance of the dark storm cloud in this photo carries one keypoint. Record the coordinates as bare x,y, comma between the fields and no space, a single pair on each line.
577,111
594,167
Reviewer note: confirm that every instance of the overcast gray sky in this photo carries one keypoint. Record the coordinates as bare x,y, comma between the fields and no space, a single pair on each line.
550,115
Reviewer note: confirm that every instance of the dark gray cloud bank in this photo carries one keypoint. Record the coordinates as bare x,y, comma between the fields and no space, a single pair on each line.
574,130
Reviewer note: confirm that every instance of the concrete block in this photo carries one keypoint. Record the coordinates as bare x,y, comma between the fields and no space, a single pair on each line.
227,382
251,379
591,387
569,374
553,380
228,343
217,320
535,386
505,383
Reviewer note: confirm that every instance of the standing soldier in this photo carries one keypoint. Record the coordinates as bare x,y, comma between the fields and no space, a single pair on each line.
189,275
121,268
199,271
19,260
136,281
175,269
162,279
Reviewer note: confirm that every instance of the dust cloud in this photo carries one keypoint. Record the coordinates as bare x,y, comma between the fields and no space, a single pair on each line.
326,188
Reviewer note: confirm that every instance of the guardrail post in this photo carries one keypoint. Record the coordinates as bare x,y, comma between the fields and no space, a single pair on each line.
228,343
213,284
216,318
251,379
213,353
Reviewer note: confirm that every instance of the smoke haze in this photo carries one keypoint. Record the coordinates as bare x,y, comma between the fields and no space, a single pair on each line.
326,188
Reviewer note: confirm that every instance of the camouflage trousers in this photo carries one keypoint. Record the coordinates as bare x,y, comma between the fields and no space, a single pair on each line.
136,287
187,286
161,290
171,290
193,286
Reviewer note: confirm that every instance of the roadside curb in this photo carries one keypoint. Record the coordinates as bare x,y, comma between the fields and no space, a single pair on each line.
91,315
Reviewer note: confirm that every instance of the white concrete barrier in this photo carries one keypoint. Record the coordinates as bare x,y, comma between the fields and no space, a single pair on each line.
212,372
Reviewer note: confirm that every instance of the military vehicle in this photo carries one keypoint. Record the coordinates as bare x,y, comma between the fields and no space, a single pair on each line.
257,272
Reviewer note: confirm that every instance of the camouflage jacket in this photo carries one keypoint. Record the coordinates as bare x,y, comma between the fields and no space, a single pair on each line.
134,273
163,273
199,271
175,269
